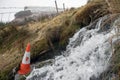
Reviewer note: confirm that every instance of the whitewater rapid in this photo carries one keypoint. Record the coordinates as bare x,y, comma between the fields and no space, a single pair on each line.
87,56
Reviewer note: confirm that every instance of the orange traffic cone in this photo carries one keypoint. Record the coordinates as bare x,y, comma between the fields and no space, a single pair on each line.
25,65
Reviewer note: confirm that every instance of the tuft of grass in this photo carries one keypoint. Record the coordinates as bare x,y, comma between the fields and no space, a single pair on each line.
39,46
11,39
114,6
66,34
6,73
10,35
89,13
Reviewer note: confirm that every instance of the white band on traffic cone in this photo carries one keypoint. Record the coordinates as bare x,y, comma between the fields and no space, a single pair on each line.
26,58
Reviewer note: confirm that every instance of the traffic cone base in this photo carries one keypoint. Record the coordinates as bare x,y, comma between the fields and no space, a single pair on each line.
25,69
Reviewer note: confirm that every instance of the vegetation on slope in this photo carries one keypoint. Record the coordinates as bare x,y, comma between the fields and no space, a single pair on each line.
113,71
45,36
114,8
115,61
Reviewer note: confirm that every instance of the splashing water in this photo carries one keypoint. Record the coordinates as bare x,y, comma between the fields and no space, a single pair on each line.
87,55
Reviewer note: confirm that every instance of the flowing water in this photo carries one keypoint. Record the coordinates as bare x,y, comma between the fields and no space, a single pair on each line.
86,57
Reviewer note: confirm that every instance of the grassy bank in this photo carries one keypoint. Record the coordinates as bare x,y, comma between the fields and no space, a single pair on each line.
44,36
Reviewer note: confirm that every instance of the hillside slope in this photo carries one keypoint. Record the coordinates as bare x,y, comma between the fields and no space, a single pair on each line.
45,36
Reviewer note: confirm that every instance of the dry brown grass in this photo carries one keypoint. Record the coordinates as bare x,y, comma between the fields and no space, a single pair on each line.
114,5
90,12
41,35
45,36
11,46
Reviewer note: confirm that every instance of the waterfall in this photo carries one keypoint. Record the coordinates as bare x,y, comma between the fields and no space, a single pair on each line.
87,55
